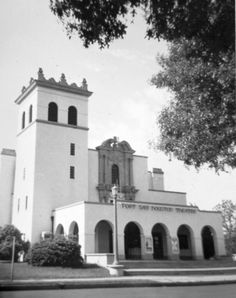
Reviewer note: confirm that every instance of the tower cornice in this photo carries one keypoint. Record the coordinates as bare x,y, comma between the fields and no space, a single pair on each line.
51,83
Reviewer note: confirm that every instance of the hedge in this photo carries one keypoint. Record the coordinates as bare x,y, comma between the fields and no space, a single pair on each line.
55,252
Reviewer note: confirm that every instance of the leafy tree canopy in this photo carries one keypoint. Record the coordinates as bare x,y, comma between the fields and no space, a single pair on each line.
6,241
199,125
7,233
102,21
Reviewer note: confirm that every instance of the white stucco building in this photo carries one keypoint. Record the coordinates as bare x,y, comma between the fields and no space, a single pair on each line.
54,183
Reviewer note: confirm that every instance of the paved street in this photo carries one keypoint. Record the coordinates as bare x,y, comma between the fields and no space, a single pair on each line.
219,291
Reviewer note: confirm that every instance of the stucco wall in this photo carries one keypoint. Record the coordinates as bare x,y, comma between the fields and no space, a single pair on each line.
146,218
7,173
24,181
166,197
93,175
140,172
64,100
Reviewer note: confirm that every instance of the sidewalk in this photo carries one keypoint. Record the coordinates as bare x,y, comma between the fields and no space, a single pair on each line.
115,282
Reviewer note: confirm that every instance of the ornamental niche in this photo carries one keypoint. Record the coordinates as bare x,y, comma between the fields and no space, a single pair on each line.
115,167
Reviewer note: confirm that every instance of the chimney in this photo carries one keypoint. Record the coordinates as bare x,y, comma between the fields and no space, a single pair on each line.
157,179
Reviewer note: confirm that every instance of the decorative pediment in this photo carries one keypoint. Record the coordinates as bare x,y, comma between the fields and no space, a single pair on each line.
115,167
114,144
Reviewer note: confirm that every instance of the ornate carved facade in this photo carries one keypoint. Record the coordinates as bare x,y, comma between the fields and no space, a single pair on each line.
115,167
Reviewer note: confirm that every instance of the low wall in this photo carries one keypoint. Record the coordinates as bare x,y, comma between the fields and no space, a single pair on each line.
102,259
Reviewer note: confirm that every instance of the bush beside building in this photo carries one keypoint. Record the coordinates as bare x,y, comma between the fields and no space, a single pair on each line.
55,252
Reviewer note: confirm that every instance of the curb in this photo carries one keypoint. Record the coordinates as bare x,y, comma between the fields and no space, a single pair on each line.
115,283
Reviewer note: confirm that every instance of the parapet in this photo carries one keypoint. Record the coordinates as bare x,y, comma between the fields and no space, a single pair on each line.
51,83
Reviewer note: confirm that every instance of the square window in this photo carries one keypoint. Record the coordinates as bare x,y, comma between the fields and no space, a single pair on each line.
72,149
72,172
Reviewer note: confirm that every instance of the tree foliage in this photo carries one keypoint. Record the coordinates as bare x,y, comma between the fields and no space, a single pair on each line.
102,21
228,211
199,125
6,240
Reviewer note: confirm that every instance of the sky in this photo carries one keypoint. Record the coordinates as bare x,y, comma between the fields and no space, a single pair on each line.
123,104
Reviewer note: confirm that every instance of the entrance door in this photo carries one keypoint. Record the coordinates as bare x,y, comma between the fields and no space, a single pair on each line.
185,245
132,242
208,243
160,249
158,246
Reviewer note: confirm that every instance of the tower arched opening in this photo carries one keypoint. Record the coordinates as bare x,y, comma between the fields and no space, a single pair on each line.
52,112
72,115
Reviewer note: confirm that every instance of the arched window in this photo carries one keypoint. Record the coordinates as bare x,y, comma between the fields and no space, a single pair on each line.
52,111
23,121
59,230
72,115
30,113
115,175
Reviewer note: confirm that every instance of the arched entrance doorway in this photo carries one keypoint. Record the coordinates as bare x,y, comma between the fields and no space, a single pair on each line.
208,242
103,237
160,246
132,241
74,232
59,230
185,243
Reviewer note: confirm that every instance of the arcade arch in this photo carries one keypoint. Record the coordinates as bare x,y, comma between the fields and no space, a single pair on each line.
59,230
132,241
103,237
185,242
74,231
208,243
160,241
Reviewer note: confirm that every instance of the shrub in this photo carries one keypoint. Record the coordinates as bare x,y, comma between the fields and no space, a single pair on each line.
55,252
6,241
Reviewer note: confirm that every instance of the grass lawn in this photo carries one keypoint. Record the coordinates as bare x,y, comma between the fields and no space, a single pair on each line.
25,271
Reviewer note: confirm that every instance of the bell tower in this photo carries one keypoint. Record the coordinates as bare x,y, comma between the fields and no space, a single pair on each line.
52,151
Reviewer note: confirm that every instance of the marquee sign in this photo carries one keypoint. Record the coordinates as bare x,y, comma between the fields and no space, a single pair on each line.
155,208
